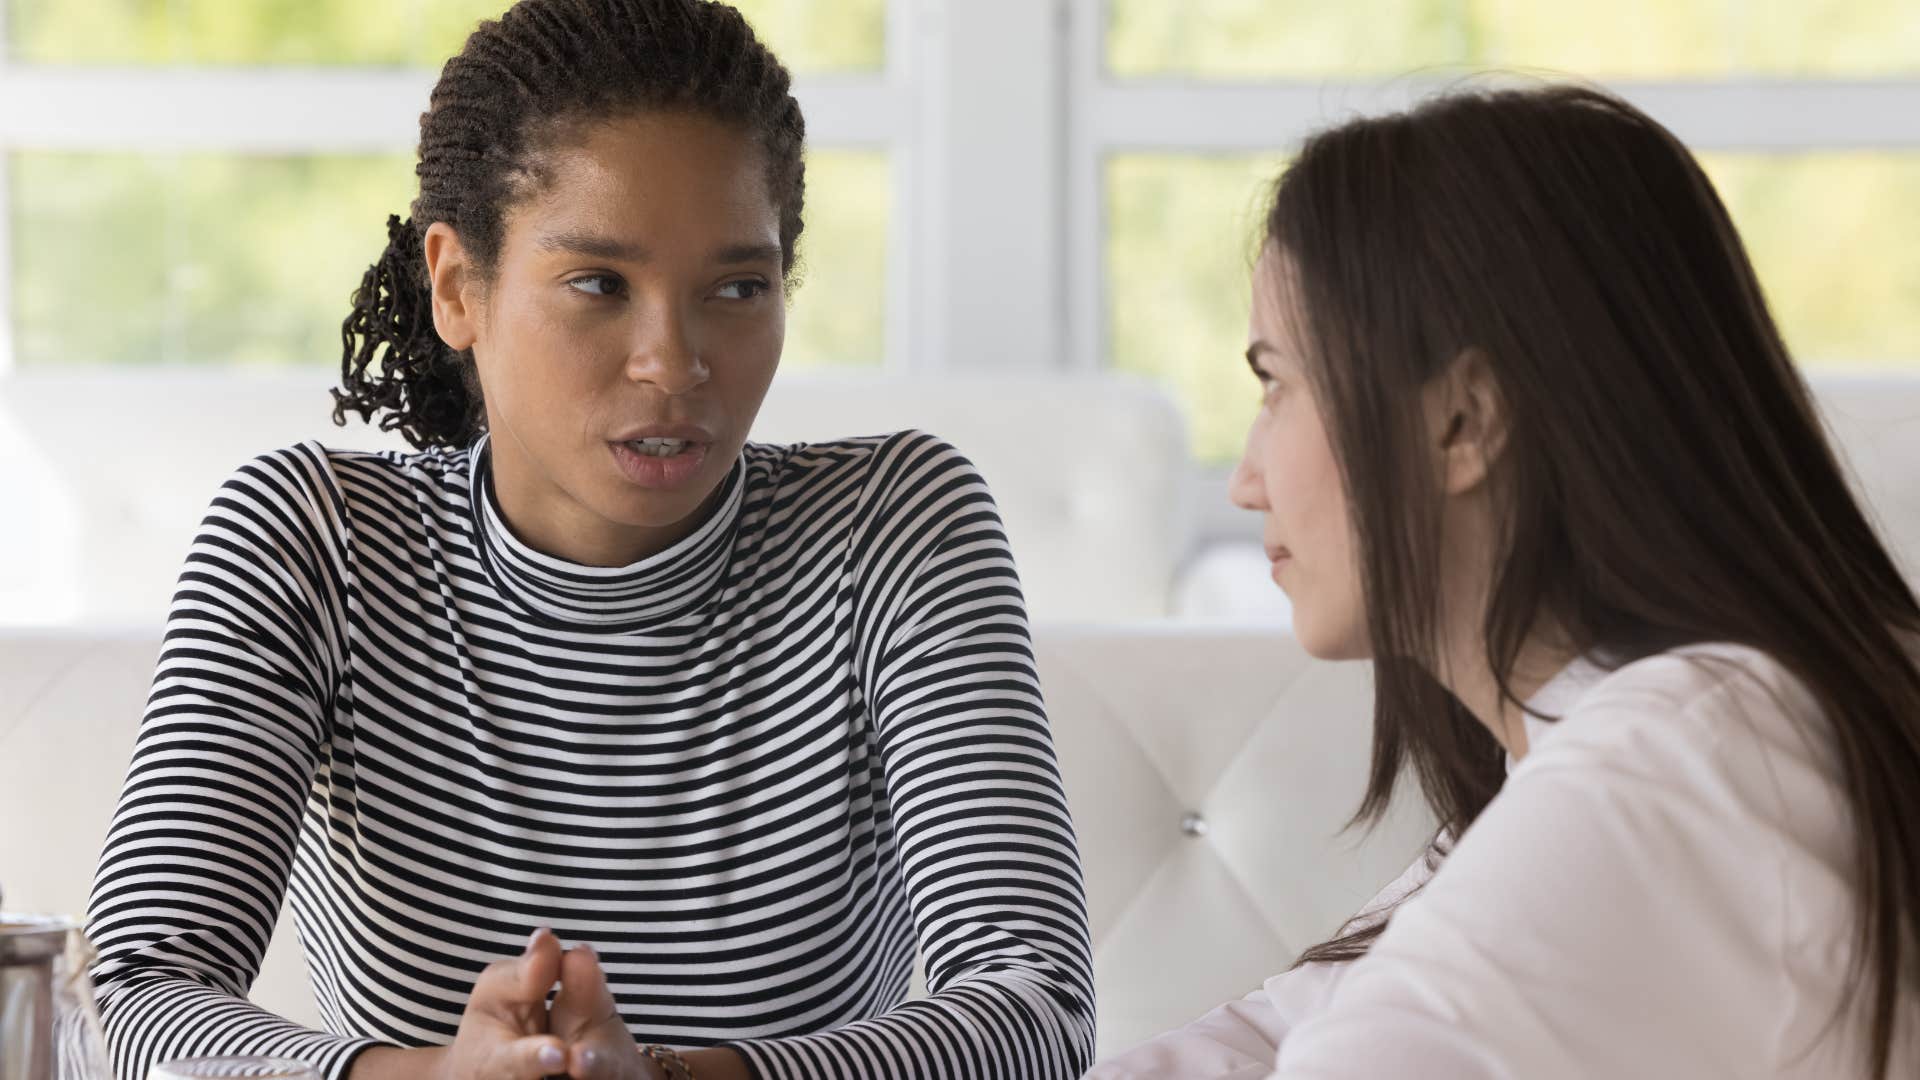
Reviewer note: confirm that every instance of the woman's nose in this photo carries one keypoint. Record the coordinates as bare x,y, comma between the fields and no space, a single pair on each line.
1244,488
664,355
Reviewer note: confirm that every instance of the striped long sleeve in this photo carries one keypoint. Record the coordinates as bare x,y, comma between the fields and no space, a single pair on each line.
229,754
760,772
946,661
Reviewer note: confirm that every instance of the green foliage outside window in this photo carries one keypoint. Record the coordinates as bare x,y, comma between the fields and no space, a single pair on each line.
136,259
1642,39
219,258
1834,237
810,35
228,258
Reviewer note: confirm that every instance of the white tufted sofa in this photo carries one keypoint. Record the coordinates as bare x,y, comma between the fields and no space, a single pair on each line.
1209,772
1209,767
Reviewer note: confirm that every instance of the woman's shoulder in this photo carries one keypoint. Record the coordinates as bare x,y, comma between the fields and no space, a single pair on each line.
322,491
1691,694
881,466
866,450
1725,731
312,471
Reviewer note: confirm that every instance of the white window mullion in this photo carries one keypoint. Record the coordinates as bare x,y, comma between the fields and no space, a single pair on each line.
6,261
1785,116
1761,115
6,211
310,111
901,90
1086,196
920,163
173,110
987,263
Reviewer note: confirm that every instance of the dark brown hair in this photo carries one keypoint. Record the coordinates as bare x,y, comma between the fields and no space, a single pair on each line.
520,83
1666,479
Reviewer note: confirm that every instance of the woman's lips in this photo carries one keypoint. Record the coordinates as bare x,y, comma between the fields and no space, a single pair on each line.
1278,558
659,473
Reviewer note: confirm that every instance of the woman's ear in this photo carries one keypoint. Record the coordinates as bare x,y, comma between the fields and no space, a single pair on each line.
456,300
1466,422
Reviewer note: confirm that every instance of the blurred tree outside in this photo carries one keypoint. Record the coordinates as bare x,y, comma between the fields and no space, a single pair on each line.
1834,236
1254,40
809,35
212,258
1180,249
232,258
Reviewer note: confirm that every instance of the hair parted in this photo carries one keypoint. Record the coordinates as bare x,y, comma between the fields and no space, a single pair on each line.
1666,479
511,93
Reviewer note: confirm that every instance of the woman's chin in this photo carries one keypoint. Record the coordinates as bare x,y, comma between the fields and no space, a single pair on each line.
660,505
1325,642
680,511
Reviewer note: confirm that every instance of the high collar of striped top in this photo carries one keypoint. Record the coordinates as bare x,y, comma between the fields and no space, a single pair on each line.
660,587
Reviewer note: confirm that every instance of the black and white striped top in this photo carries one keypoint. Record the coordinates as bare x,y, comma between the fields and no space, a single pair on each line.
755,771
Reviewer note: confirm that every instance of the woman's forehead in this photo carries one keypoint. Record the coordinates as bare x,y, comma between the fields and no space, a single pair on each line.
667,162
1274,300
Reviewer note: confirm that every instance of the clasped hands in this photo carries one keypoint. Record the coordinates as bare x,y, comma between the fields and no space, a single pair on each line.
508,1031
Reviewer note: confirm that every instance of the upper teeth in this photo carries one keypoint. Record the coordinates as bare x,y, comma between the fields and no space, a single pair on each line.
659,447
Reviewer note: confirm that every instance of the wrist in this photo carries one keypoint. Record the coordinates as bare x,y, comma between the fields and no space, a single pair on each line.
718,1063
397,1063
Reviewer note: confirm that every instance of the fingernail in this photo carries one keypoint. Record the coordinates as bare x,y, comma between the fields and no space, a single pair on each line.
534,937
591,951
551,1057
590,1058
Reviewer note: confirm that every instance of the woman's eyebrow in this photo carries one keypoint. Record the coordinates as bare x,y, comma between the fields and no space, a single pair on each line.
605,247
734,254
585,243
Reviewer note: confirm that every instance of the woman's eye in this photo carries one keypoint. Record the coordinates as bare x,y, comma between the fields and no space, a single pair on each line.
597,284
743,290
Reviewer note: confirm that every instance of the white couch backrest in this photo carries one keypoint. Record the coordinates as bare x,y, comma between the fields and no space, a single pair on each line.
1209,773
1875,422
111,471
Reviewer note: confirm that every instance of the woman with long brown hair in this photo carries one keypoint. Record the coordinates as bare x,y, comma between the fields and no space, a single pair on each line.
1531,443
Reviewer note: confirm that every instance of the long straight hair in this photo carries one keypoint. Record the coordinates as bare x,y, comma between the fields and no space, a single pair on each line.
1666,479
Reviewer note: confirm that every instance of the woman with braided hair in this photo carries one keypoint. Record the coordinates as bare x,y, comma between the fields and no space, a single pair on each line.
589,738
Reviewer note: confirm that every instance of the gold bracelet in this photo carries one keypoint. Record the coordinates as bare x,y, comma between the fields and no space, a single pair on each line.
668,1059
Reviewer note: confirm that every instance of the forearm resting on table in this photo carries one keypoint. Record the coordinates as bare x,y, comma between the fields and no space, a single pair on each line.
393,1063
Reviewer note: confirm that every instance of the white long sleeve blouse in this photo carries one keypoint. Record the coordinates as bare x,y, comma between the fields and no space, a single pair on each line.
1662,888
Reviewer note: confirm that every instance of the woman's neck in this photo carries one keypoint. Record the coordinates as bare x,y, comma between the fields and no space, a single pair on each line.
1473,682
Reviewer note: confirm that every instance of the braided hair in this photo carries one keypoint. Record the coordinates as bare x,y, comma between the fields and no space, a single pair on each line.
517,87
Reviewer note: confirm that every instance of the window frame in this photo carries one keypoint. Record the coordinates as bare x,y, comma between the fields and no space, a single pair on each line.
998,117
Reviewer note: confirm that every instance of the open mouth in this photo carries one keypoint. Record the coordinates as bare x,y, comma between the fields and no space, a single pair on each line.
659,448
659,463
